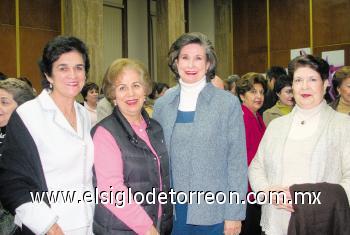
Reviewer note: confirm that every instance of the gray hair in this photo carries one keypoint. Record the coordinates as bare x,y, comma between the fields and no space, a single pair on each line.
20,90
190,38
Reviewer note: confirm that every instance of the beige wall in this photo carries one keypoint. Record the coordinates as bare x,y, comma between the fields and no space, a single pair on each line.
201,17
138,30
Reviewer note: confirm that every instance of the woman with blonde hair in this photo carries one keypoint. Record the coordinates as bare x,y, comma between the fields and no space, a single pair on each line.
130,153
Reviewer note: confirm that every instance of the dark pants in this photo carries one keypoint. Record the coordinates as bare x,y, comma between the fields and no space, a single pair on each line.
251,224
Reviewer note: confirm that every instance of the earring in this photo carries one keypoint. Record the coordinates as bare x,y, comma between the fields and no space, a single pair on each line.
51,86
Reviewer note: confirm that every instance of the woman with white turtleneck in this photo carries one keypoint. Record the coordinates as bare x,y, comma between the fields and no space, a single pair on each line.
309,145
204,132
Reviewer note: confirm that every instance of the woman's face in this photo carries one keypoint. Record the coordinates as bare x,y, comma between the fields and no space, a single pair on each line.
344,90
286,96
68,75
192,63
308,87
254,98
7,106
130,94
92,96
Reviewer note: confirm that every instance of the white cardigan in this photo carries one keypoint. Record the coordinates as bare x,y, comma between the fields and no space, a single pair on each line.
67,159
330,160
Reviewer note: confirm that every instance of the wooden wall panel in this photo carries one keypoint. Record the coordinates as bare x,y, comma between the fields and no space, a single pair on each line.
8,50
288,29
331,22
8,38
289,24
40,21
250,37
7,12
32,44
42,14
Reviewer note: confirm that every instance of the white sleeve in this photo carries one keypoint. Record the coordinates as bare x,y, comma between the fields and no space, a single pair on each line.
38,217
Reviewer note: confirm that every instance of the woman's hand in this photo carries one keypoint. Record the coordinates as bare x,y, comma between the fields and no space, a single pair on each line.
152,231
232,227
283,199
55,230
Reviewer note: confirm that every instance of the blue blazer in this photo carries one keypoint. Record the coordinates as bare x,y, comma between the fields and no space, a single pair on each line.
217,153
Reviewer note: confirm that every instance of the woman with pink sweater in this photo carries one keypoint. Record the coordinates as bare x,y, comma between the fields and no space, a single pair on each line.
130,157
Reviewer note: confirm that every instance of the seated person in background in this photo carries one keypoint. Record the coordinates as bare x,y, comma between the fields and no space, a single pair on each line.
341,86
90,95
13,93
230,83
285,102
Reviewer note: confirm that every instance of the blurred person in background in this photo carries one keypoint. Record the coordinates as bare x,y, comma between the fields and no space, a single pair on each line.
13,93
272,75
341,85
230,83
285,102
90,95
250,89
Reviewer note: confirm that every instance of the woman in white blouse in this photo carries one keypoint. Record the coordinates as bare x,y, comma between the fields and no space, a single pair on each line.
48,148
309,145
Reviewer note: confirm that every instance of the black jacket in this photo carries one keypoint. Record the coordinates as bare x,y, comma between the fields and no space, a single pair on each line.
331,217
21,171
140,170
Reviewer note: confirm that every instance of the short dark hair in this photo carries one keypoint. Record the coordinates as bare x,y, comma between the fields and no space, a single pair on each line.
339,77
275,72
20,90
190,38
315,63
247,81
87,87
2,76
158,87
54,49
281,83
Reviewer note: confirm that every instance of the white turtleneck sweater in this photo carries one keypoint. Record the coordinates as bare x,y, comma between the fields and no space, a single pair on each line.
189,94
297,155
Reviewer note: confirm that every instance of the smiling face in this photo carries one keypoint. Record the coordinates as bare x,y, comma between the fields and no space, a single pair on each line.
130,94
254,98
308,87
7,106
286,96
68,75
192,63
344,90
92,97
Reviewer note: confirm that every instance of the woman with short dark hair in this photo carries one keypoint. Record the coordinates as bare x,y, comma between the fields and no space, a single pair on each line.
90,93
341,86
285,102
250,89
50,138
309,145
